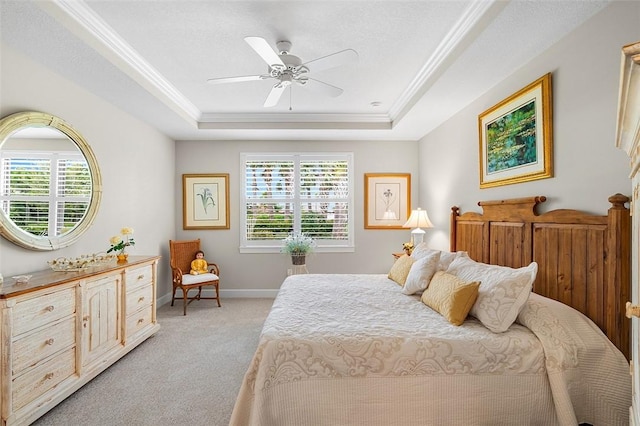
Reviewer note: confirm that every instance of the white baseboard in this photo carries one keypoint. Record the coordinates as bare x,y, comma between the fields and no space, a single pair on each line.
228,294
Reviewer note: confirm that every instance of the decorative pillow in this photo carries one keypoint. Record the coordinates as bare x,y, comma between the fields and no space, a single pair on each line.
450,296
421,272
503,292
400,269
420,251
446,257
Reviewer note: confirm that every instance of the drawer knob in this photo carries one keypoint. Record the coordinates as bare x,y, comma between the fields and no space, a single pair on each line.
49,341
141,299
48,376
141,320
49,308
141,276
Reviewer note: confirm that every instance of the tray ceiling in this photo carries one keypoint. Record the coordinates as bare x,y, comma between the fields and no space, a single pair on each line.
419,62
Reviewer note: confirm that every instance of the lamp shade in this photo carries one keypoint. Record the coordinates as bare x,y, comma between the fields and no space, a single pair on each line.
418,219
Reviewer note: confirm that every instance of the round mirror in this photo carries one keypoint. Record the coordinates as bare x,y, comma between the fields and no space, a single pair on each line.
50,185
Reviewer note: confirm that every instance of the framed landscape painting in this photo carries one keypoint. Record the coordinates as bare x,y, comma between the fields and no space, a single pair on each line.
387,200
205,201
516,137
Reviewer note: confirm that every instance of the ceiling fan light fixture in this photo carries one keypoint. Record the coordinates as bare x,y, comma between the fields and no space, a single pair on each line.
286,69
285,80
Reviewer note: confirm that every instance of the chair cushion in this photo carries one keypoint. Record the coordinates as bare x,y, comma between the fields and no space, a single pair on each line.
188,279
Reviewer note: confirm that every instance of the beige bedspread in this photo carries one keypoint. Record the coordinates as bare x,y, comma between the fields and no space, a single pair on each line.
354,350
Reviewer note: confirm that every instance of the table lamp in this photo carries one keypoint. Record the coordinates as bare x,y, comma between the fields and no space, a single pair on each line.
418,220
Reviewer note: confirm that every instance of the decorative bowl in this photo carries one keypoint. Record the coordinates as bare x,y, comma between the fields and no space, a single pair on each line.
21,279
64,264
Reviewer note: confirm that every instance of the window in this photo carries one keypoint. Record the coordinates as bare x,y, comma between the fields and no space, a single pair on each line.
44,194
296,192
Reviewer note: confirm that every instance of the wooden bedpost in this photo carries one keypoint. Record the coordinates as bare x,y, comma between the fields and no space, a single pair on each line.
618,271
455,212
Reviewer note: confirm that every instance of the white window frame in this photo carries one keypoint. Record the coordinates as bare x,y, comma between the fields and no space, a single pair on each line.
274,246
53,197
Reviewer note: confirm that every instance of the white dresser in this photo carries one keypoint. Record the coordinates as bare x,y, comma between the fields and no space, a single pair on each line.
61,329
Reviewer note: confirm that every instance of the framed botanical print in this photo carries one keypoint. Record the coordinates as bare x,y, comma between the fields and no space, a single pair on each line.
205,201
387,200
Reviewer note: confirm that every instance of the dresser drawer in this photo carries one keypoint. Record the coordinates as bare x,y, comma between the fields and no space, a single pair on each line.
138,277
139,320
32,348
34,383
32,313
139,298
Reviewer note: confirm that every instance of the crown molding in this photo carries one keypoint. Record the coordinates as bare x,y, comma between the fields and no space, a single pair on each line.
445,54
82,21
295,121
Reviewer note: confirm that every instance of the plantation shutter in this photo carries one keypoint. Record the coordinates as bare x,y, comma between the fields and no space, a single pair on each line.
324,195
269,189
73,192
62,181
297,193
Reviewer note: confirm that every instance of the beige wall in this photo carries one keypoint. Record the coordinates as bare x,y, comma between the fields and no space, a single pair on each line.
585,69
136,162
260,274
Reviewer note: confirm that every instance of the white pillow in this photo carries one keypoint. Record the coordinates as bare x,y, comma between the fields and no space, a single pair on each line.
420,251
421,273
446,257
503,290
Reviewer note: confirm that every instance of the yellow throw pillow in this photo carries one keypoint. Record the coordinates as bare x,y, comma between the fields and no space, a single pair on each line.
450,296
400,269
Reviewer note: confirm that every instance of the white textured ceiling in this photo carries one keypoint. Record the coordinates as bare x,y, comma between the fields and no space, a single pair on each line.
422,61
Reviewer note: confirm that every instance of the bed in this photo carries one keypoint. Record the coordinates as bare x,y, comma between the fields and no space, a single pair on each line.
353,349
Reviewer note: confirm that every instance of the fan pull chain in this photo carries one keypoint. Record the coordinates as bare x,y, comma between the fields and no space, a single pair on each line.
290,96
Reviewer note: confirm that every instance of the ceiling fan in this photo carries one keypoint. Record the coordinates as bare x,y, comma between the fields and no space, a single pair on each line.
288,69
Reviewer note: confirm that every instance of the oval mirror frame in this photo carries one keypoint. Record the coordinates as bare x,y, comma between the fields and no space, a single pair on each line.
8,229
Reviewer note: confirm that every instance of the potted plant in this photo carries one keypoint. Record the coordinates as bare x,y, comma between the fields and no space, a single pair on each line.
298,245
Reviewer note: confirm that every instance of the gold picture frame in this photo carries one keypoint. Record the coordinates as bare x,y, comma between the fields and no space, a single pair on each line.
387,200
205,201
516,138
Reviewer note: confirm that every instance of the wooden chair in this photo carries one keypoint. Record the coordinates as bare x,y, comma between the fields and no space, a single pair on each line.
182,253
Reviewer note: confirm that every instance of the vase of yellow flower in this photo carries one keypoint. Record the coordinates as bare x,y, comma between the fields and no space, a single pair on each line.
407,248
119,244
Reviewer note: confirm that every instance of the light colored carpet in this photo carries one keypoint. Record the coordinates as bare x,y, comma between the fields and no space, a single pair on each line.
189,373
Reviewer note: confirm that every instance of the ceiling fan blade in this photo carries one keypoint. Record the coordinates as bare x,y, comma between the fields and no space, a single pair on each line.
274,95
265,51
333,60
237,79
322,87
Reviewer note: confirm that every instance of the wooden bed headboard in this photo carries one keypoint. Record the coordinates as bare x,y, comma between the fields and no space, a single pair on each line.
584,260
